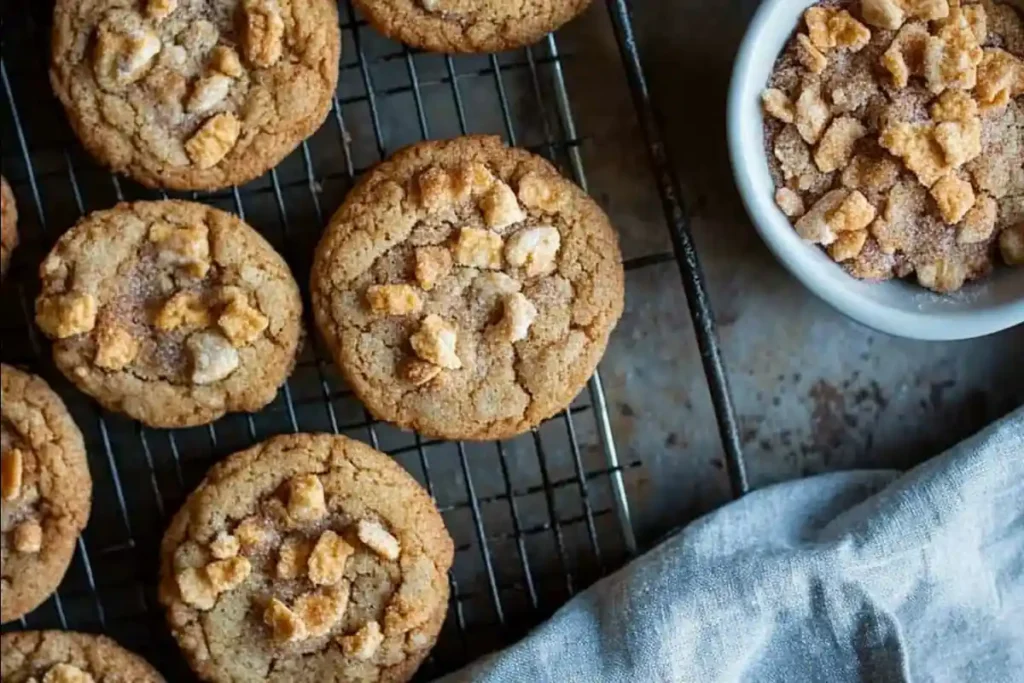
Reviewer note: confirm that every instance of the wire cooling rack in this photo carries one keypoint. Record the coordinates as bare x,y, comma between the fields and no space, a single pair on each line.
535,519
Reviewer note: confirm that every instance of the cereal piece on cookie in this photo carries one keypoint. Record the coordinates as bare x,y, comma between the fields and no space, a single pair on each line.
394,299
184,309
535,250
213,357
214,139
293,558
285,625
327,560
364,643
478,249
12,469
263,32
241,322
518,315
116,348
500,207
306,501
432,264
378,539
436,342
66,315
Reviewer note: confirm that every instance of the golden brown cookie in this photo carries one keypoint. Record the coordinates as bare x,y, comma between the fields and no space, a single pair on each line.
195,95
171,312
68,657
469,25
8,225
45,492
308,557
466,289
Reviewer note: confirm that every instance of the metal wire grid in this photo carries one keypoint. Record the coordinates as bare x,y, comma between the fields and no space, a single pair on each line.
550,520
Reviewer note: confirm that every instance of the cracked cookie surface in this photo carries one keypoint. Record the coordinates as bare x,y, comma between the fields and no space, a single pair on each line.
45,492
8,225
171,312
307,557
466,289
469,25
194,94
68,657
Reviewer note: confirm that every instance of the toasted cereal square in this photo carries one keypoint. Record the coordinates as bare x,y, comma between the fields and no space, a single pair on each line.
836,145
980,222
778,105
954,196
394,299
28,537
327,561
478,249
436,341
12,472
293,558
791,203
285,625
378,539
229,573
432,265
224,546
306,502
854,214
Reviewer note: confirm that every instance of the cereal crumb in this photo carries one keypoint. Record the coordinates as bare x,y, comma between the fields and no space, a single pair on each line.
116,348
954,196
855,213
942,275
213,357
500,207
66,315
791,203
1000,77
1011,245
435,189
252,533
813,225
363,645
378,539
432,264
225,60
812,113
871,174
186,247
263,33
534,249
471,180
847,245
184,309
886,14
28,537
67,673
905,55
952,56
227,574
196,589
285,625
777,104
293,558
123,54
209,91
160,9
478,249
810,57
420,372
394,299
306,501
327,561
224,546
980,222
436,342
916,145
836,145
12,471
241,322
519,314
214,139
537,193
320,612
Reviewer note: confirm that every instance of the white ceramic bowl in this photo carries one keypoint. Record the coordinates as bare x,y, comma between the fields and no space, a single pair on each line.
900,308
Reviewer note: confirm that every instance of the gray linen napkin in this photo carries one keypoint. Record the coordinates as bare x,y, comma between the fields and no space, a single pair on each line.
860,576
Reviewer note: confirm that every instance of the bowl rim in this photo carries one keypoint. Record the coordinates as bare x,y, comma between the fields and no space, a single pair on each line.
948,326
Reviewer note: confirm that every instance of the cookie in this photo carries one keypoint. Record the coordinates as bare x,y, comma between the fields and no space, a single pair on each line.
194,95
466,289
68,657
171,312
8,225
307,557
45,492
469,25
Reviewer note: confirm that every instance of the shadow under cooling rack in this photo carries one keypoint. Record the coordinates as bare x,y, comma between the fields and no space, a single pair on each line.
535,519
